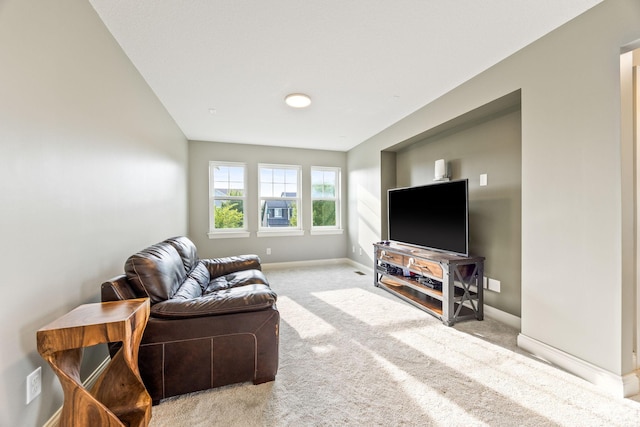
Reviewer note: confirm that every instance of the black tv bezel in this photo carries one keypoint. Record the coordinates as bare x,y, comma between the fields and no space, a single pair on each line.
427,247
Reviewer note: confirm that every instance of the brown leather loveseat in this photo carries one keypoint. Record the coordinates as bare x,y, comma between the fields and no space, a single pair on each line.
213,322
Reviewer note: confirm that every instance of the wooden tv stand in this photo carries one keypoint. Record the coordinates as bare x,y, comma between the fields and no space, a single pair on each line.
447,286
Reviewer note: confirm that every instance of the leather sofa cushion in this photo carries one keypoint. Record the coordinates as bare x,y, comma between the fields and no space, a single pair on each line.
157,271
221,266
187,251
195,284
237,278
189,289
238,299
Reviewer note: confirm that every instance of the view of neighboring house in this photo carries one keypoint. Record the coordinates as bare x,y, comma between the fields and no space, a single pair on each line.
278,213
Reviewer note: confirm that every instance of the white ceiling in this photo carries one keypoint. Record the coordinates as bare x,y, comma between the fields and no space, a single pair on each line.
223,67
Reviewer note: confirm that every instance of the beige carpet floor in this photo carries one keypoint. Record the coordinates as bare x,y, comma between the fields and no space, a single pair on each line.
352,354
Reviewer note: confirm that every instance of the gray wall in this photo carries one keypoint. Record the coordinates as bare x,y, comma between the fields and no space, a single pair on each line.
283,249
577,295
491,146
92,169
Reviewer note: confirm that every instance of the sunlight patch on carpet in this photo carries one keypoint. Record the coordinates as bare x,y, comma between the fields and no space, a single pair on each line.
323,349
305,323
525,382
372,309
432,402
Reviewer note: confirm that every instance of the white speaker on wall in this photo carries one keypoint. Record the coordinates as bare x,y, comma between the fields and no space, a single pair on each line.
441,171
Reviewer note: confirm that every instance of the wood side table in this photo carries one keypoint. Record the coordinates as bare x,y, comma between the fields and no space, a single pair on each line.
118,397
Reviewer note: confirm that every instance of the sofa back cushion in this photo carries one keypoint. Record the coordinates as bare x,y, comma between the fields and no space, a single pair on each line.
187,250
157,271
195,284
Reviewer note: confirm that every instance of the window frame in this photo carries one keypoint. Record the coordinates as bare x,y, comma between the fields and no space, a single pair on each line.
327,229
298,230
222,233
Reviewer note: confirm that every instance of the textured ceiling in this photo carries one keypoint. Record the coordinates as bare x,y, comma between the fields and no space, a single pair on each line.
222,68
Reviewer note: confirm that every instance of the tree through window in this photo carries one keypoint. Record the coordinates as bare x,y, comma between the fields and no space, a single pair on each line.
325,197
227,197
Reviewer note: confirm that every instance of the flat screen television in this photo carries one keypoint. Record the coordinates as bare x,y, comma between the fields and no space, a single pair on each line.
433,216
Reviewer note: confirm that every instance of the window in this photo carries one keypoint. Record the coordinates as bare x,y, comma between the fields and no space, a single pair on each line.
227,200
279,199
325,199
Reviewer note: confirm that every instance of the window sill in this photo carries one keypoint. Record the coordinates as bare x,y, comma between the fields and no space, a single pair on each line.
280,233
320,231
227,234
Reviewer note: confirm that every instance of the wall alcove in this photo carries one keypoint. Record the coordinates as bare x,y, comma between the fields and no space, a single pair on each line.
486,140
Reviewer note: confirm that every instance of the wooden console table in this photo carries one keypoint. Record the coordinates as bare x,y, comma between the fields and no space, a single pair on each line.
447,286
118,398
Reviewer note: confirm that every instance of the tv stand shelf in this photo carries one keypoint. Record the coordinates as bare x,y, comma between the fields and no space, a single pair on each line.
447,286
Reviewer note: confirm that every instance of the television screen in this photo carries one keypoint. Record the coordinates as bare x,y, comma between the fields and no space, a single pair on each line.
434,216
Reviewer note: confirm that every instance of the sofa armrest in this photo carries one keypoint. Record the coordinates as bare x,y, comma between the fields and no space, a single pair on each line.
221,266
117,289
234,300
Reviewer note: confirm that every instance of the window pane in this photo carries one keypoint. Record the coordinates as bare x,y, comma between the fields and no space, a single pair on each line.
265,190
325,195
323,191
290,190
276,182
228,214
228,181
278,175
227,191
291,176
324,213
236,174
278,190
323,184
265,174
236,188
316,177
292,213
329,184
279,185
220,173
278,213
329,190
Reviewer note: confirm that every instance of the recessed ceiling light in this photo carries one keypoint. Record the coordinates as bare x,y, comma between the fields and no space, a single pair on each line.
297,100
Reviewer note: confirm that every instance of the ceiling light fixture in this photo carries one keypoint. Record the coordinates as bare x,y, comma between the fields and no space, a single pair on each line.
297,100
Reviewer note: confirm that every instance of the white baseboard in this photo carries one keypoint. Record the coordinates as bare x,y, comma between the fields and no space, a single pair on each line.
54,421
364,268
502,317
315,263
617,385
308,263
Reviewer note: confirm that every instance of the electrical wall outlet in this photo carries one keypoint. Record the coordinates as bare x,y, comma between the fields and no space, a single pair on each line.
34,384
268,251
493,285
